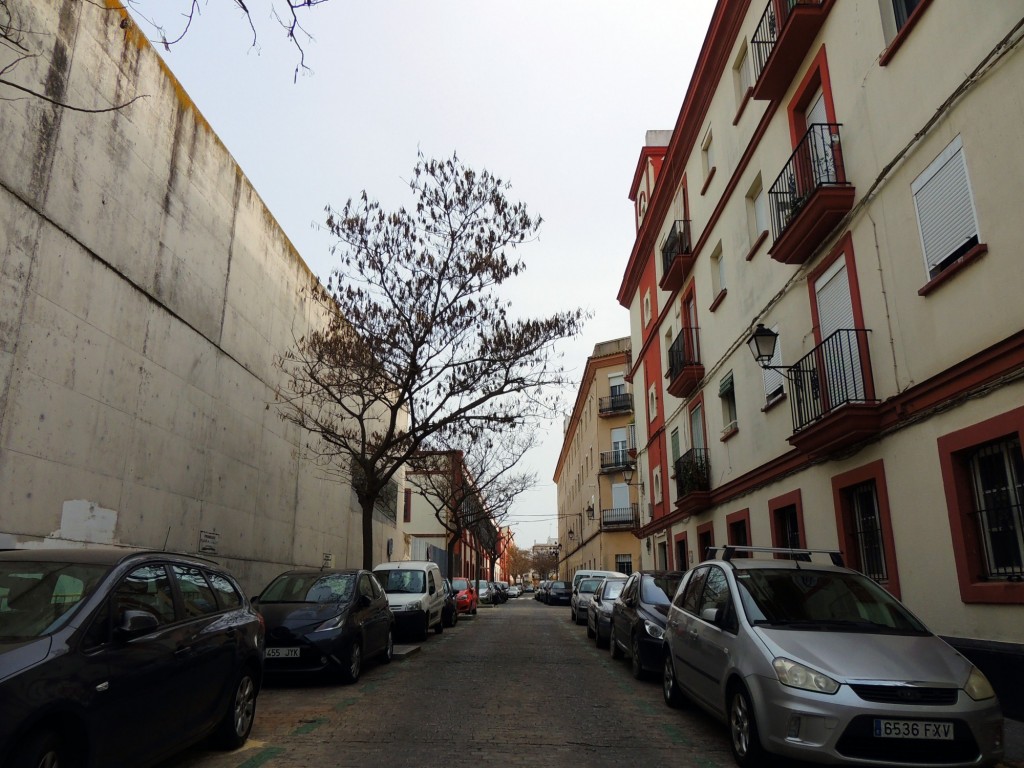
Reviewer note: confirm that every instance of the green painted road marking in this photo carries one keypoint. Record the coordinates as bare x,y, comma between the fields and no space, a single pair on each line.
262,758
673,732
309,726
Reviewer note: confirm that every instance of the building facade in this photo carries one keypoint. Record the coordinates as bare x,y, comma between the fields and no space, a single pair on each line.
598,513
843,180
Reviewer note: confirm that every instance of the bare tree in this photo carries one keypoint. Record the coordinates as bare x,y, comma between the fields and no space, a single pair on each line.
418,342
519,562
469,489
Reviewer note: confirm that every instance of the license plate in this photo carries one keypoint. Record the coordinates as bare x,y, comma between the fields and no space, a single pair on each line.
282,653
913,729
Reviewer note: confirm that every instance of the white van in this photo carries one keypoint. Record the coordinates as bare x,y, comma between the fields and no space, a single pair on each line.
583,573
416,595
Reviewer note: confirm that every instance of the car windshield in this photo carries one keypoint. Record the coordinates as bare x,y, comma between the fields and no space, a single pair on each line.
460,584
559,585
481,585
822,600
310,588
589,585
36,598
659,590
397,581
612,589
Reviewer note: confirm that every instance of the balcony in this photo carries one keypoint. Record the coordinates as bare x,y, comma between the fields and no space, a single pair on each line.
781,42
832,396
685,370
693,481
616,460
620,518
676,256
811,195
615,404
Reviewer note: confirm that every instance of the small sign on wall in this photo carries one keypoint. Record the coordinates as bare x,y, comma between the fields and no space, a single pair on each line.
208,542
328,560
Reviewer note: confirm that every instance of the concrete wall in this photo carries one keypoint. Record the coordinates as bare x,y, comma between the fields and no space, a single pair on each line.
144,292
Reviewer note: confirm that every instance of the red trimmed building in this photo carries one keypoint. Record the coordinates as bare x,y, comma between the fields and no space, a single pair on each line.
833,192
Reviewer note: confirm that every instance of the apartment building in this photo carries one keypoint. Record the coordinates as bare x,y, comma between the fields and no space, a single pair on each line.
598,512
825,313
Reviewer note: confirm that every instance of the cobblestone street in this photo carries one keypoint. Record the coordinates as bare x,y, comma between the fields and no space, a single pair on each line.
516,685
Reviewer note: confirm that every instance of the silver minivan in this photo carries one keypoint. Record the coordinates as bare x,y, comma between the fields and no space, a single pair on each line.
817,662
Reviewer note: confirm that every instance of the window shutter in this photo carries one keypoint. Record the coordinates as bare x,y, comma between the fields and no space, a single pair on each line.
945,210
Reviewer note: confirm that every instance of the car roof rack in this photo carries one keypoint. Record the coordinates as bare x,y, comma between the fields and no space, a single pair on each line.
729,551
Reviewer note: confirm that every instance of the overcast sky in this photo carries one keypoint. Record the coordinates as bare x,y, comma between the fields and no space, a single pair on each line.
553,95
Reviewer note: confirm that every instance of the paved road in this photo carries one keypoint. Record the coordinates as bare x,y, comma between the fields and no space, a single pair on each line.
517,685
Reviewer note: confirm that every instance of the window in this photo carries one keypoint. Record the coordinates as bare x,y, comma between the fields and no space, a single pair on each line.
227,595
689,598
675,446
647,307
707,156
865,525
407,507
624,563
727,395
902,9
718,283
652,402
945,209
757,212
997,483
662,556
617,384
705,540
682,560
786,527
148,589
741,74
738,525
656,482
198,598
773,380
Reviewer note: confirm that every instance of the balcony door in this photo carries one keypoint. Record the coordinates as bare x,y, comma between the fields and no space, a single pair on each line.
839,363
619,446
621,510
815,119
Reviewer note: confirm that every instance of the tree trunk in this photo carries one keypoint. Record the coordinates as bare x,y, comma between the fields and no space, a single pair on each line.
366,504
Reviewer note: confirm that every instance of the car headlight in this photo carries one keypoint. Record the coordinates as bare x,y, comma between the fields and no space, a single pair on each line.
654,630
415,605
978,687
798,676
332,623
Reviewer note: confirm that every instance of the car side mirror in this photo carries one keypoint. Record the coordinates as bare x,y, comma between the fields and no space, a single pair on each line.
136,623
713,615
254,601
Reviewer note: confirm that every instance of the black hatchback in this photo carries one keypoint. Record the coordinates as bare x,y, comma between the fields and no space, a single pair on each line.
639,617
117,658
326,622
559,593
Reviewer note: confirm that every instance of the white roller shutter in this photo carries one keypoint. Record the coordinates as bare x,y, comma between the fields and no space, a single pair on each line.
945,208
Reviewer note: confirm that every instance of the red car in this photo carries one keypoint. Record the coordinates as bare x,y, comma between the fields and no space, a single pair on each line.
465,596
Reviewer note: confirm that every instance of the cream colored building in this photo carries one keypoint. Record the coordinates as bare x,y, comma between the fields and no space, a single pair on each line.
145,291
848,175
598,513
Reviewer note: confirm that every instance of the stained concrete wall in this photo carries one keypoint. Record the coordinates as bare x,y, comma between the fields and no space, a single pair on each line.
144,291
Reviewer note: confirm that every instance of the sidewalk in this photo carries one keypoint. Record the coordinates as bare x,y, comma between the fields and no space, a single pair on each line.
1013,733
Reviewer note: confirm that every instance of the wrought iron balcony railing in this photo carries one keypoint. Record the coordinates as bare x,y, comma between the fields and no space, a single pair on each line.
693,472
676,244
684,352
621,517
618,458
620,403
829,377
816,162
773,20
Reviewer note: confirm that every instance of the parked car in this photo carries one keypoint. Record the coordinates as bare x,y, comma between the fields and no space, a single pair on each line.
638,619
541,590
450,612
582,594
559,593
817,662
503,590
415,594
586,573
529,589
465,595
599,612
485,591
325,622
122,657
514,590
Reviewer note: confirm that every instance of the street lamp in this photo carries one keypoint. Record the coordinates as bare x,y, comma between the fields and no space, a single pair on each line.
762,346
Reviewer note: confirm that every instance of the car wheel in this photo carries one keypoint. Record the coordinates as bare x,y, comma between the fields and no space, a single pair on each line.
42,749
389,648
613,647
599,641
745,741
234,728
634,662
354,664
455,618
439,627
669,686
